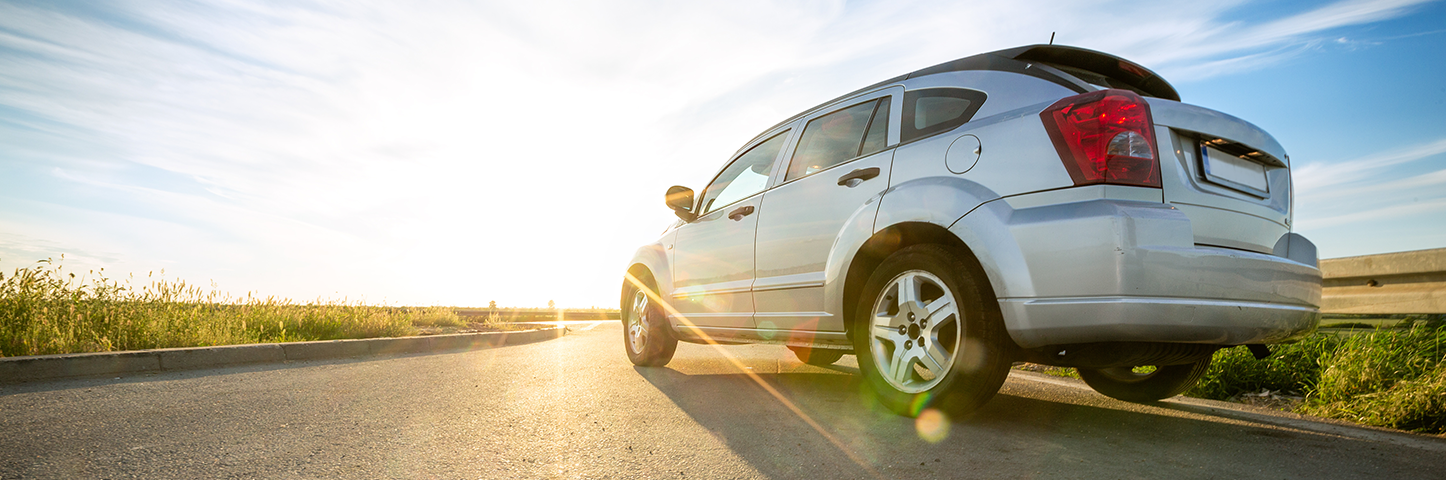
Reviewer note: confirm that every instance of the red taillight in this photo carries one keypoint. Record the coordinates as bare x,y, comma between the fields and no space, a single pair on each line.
1105,137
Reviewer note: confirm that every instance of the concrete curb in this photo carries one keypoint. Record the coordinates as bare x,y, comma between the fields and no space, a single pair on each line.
44,367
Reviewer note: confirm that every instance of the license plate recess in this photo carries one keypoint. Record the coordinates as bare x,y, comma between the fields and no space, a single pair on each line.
1234,172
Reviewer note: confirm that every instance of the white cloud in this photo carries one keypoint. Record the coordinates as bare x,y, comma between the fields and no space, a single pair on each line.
1210,45
459,153
1393,201
1350,12
1432,184
1430,209
1316,176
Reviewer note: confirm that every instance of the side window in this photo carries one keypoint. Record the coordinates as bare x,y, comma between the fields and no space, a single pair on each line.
935,110
878,136
747,175
839,136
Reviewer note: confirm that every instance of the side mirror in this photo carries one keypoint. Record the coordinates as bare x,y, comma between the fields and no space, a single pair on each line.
680,199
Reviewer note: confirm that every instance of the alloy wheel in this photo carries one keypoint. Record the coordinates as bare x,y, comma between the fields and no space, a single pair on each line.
916,331
638,322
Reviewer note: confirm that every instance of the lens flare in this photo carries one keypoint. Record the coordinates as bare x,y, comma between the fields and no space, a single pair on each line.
921,402
932,425
767,329
668,307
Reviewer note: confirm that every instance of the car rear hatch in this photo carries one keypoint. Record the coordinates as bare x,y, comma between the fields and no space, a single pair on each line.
1228,176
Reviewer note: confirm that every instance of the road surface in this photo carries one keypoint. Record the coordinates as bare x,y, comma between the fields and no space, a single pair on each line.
575,408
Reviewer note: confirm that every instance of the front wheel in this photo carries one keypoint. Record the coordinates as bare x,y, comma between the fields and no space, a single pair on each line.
645,332
1134,385
926,336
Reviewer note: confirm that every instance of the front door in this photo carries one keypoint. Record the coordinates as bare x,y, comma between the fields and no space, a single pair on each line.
713,265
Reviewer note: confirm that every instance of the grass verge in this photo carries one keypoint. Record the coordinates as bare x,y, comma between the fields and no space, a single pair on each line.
45,310
1388,377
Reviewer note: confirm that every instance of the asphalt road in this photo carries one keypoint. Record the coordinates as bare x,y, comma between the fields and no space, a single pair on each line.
575,408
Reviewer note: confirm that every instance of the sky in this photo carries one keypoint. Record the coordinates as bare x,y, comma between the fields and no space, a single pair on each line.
456,153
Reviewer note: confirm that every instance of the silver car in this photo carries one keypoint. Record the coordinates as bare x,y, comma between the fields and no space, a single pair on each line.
1044,203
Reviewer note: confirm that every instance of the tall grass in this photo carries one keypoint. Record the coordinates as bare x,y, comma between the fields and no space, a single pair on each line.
436,317
1390,377
1291,368
45,310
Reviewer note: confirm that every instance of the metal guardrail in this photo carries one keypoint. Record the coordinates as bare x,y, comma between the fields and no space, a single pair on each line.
1391,283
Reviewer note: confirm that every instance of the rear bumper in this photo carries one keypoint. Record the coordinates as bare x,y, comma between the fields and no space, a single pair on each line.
1060,321
1110,270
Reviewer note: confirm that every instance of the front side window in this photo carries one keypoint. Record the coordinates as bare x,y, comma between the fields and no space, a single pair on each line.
839,136
935,110
744,177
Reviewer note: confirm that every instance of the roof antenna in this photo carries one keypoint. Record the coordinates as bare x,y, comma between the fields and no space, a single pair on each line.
1051,38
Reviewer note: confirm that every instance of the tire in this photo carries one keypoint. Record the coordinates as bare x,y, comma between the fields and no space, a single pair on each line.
953,359
645,330
817,356
1165,382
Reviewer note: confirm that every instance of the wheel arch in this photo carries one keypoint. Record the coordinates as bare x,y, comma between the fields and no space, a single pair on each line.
643,274
897,237
649,264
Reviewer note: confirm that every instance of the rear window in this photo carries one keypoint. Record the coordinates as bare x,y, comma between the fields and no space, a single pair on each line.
1099,80
933,110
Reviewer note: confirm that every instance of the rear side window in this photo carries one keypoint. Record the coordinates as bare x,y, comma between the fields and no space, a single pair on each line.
934,110
878,136
840,136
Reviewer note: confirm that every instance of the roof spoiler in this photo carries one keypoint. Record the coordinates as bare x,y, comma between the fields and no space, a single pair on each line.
1116,68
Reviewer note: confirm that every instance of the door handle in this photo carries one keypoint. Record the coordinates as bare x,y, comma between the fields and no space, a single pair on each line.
858,176
740,212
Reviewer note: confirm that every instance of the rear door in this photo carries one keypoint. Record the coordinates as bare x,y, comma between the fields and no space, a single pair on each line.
833,177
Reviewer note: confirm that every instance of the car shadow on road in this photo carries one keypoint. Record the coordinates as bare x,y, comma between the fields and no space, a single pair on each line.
819,424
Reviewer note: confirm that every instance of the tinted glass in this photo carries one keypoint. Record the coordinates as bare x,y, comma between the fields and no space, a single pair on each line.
878,136
930,111
935,110
830,140
745,176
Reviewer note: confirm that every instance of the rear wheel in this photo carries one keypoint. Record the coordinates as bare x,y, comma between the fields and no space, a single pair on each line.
645,331
1143,384
817,356
925,335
